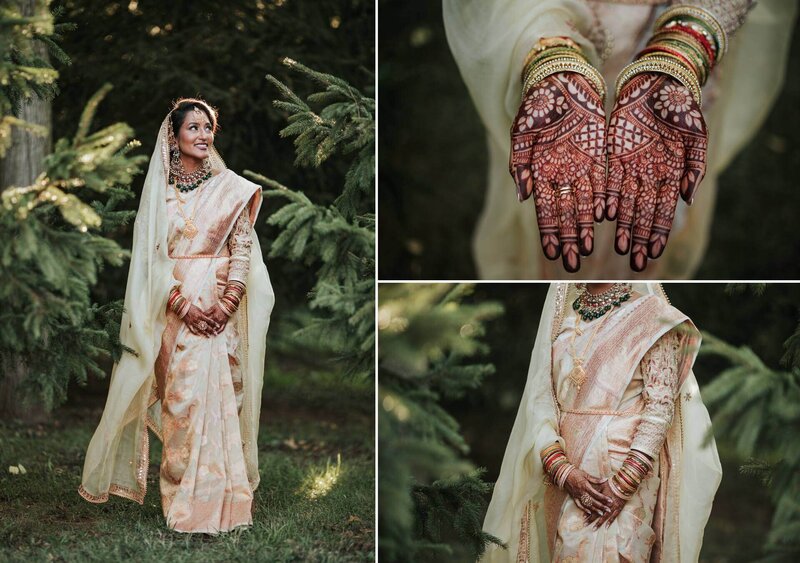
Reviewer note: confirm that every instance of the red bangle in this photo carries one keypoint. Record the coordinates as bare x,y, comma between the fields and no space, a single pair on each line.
699,37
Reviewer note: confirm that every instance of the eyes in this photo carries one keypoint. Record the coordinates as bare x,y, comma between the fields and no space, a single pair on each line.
193,127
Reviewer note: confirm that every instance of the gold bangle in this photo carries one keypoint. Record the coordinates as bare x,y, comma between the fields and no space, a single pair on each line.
550,53
701,14
531,68
545,43
692,64
663,65
567,65
536,52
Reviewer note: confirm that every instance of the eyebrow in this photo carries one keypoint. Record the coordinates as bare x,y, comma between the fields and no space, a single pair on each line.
196,123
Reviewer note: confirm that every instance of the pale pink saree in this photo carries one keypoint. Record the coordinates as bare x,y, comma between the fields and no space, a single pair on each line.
204,486
598,422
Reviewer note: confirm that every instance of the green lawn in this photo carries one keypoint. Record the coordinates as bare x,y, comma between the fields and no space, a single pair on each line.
315,501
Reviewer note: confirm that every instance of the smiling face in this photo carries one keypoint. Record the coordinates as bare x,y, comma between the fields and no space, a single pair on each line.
195,137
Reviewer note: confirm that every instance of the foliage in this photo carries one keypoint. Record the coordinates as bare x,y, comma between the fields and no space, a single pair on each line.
429,494
23,72
57,246
338,238
758,407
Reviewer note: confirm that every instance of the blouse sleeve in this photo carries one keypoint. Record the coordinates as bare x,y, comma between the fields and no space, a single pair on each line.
239,244
659,368
729,13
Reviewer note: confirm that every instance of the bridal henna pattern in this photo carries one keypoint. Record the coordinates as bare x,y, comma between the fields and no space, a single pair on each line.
657,141
558,142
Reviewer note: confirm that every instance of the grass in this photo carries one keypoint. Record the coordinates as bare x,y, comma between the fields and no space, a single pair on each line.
315,501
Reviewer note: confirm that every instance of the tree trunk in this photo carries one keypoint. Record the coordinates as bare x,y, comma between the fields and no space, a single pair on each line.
21,165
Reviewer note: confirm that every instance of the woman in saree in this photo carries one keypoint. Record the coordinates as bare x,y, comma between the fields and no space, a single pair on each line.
607,193
197,307
608,459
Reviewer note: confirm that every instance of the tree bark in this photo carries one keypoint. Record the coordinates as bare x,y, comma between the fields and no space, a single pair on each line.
21,165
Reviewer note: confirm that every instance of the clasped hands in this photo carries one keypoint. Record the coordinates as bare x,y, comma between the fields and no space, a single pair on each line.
655,149
210,322
594,497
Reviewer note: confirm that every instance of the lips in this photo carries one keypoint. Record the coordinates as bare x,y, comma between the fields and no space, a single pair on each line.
202,146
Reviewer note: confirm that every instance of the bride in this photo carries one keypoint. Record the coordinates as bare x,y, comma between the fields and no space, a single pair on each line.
608,459
197,307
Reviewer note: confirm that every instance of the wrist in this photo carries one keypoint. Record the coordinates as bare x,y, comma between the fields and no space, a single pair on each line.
552,55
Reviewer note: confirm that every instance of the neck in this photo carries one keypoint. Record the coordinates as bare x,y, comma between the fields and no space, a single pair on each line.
595,288
190,163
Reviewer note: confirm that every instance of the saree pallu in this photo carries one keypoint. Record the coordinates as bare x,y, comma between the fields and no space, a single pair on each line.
204,485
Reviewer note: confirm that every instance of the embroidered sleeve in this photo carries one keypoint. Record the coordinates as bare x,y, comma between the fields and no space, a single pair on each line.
239,244
659,368
729,13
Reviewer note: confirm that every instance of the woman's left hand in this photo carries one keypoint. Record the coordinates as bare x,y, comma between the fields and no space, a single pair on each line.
657,142
218,315
617,504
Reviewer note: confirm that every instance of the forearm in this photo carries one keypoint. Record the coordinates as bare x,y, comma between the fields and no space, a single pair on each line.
239,244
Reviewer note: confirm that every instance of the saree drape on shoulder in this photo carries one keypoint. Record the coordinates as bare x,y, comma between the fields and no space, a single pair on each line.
597,424
490,40
208,389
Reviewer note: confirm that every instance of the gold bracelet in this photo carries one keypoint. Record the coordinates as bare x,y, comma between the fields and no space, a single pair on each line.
567,65
663,65
701,14
550,54
539,62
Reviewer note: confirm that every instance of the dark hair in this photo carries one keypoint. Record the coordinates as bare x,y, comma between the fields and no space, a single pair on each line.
184,106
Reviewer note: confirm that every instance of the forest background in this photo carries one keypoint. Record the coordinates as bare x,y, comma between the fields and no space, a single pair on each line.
316,227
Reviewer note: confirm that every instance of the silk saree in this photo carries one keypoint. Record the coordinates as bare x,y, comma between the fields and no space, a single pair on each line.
597,424
199,395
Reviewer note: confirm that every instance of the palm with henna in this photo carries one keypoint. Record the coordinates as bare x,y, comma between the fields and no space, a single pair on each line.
657,140
558,141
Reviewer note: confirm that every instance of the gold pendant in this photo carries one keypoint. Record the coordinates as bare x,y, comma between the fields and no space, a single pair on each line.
578,375
190,230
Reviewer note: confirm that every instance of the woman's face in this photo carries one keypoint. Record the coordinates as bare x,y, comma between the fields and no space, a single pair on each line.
196,135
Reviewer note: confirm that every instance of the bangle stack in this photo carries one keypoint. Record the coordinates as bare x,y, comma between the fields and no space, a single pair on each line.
556,465
178,303
688,42
232,297
633,471
559,54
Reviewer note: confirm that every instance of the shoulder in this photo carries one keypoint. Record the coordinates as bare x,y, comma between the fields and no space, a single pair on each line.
237,182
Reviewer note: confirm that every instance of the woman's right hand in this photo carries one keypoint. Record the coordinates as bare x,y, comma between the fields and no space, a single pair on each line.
558,156
199,323
583,487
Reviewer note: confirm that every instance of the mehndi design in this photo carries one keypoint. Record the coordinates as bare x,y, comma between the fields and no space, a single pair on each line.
558,141
657,143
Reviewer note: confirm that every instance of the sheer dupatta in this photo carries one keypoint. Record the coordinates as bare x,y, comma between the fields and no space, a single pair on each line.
117,458
690,469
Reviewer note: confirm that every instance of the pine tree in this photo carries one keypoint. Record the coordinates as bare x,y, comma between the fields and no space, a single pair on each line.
431,498
338,239
758,408
24,72
55,247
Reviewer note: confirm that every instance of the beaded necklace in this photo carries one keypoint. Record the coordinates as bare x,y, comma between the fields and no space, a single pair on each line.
188,181
593,306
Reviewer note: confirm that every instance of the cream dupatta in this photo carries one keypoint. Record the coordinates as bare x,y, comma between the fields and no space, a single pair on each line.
520,513
117,458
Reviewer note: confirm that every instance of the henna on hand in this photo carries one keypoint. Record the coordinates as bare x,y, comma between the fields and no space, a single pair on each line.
219,317
558,141
657,143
